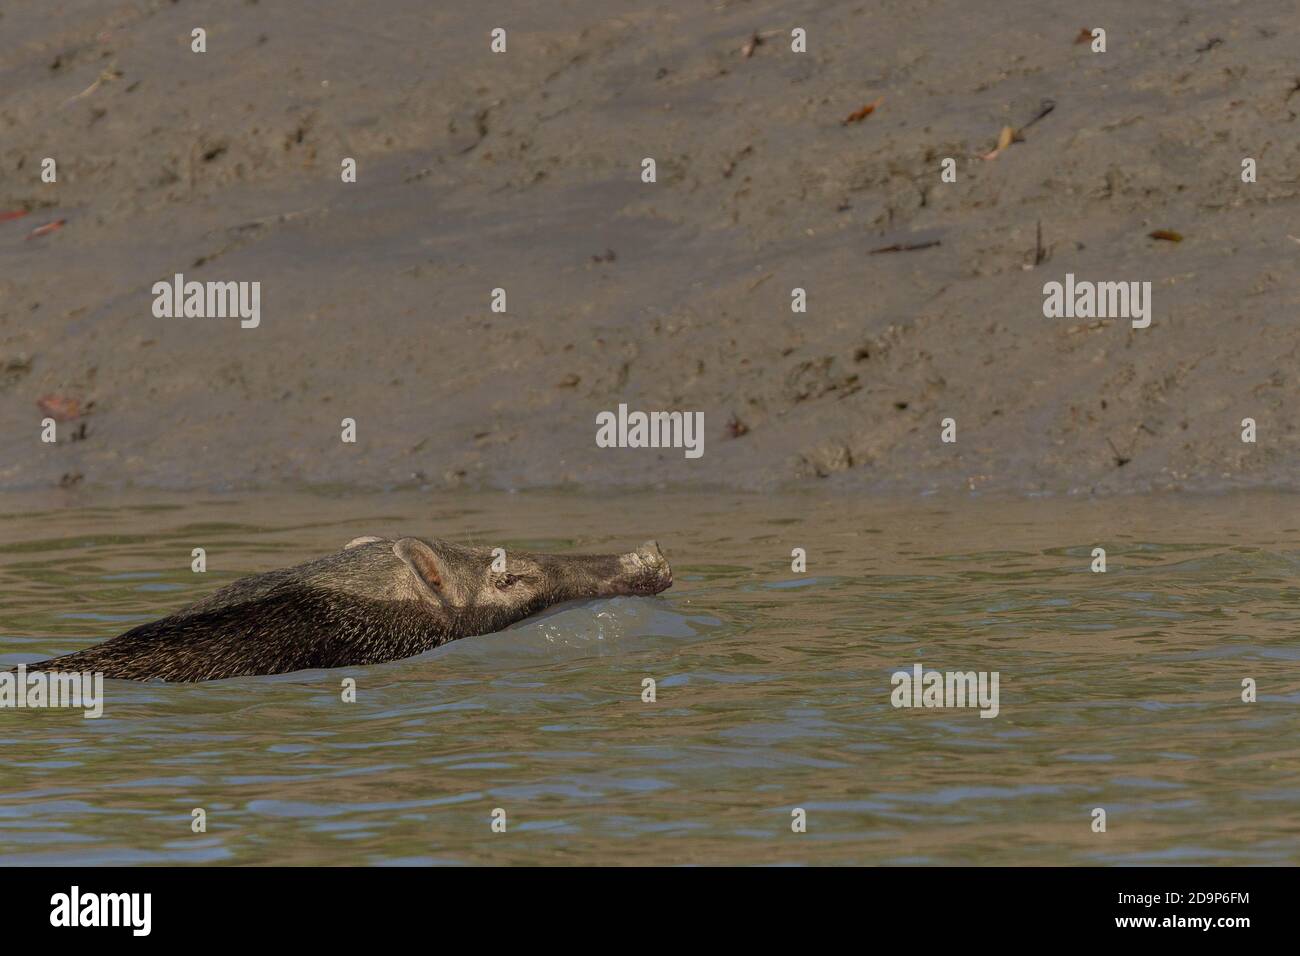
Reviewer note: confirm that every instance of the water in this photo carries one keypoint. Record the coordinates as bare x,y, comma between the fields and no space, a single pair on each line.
1119,690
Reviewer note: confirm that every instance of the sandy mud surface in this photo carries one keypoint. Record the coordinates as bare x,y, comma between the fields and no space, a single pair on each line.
522,171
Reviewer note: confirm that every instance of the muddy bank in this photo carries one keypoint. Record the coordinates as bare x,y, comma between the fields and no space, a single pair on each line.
522,171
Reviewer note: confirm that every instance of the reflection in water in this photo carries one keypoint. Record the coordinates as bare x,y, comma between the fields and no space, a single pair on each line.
1119,690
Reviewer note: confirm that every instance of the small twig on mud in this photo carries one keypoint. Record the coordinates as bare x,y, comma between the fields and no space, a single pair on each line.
755,41
106,77
1120,460
278,217
902,247
1045,107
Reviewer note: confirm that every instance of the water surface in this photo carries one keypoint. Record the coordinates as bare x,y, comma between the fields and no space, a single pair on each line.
1119,690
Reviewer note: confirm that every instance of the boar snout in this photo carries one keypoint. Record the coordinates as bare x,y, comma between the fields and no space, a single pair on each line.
647,570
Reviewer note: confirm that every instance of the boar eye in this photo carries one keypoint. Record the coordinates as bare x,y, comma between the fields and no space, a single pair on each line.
506,581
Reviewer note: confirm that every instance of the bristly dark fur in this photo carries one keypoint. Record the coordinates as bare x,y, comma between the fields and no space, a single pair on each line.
295,629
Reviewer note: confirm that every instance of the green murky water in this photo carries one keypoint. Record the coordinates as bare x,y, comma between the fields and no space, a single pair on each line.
1119,690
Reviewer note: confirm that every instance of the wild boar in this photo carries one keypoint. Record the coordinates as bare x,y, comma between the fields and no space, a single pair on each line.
377,600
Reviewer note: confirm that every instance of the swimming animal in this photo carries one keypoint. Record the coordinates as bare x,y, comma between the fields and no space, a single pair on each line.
377,600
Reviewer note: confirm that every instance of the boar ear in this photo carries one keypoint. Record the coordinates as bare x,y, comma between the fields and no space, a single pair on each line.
419,557
358,542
